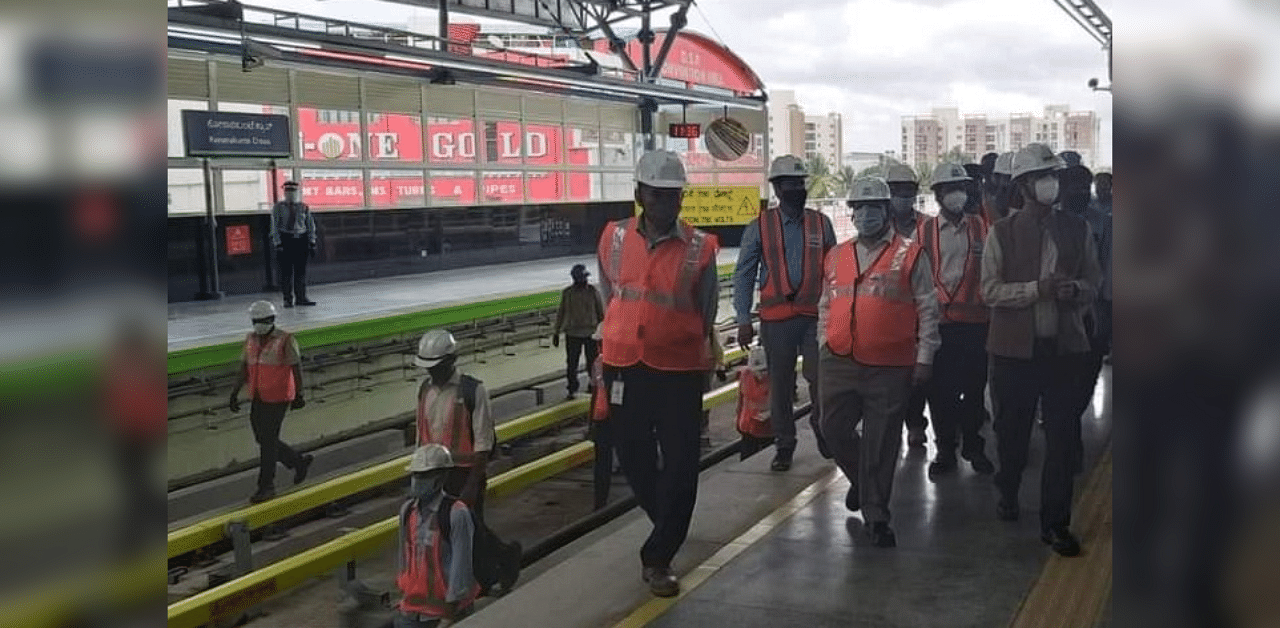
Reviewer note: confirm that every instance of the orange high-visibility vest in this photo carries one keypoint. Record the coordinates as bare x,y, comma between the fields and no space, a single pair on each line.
422,579
873,316
653,313
779,300
457,434
964,304
270,370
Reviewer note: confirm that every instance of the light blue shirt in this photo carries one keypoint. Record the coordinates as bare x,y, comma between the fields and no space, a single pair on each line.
753,271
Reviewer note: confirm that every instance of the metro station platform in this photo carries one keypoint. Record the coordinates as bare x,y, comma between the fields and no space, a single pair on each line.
204,323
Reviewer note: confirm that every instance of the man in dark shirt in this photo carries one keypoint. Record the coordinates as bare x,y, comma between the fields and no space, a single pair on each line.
581,310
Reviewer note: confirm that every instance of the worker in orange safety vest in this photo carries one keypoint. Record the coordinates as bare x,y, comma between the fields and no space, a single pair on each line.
659,282
878,330
782,252
271,366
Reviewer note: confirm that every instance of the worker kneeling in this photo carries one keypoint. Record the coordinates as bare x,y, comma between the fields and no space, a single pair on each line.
436,546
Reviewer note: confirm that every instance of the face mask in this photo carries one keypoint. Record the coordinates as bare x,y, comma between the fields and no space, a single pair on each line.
793,198
441,372
292,196
424,485
903,205
1046,190
262,329
954,201
870,221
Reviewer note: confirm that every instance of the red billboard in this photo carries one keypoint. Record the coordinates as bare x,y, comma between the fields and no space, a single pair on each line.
397,142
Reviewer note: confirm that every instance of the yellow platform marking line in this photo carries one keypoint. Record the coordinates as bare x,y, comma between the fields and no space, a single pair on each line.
654,608
1075,591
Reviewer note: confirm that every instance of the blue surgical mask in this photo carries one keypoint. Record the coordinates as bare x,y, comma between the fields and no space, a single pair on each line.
870,220
903,205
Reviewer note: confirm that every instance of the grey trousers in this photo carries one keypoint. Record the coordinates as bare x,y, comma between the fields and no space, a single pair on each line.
783,341
876,397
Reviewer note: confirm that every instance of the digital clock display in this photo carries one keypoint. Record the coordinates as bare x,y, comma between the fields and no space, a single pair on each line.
687,130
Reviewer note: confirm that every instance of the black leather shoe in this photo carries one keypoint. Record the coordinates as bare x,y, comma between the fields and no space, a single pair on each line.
981,463
916,439
822,447
305,302
1007,510
288,303
782,460
943,464
662,582
1062,541
852,500
300,473
882,535
261,496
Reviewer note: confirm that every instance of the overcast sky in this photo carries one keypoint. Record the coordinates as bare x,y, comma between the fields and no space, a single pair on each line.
875,60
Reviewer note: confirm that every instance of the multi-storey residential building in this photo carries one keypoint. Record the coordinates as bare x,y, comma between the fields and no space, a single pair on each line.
791,132
926,138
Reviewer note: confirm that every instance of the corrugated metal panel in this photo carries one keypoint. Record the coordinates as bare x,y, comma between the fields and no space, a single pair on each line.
543,108
327,91
451,100
581,112
618,117
393,96
188,80
265,85
499,101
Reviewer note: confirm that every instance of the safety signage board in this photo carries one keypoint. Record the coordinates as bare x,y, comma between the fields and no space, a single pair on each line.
238,242
719,206
226,134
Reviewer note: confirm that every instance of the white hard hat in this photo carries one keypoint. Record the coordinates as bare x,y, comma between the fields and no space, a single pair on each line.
948,173
868,189
1035,158
261,309
787,166
435,346
430,457
661,169
1004,164
901,173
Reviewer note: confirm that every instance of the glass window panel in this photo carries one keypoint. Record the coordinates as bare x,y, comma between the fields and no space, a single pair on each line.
619,148
453,187
333,189
582,145
700,178
546,187
246,191
397,188
395,137
618,186
186,191
451,141
329,135
583,186
502,142
544,144
502,187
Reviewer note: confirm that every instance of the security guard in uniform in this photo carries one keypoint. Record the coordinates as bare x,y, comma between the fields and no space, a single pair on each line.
953,241
658,279
878,329
293,234
904,189
783,249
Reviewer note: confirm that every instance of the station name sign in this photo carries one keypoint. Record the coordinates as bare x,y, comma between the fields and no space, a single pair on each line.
226,134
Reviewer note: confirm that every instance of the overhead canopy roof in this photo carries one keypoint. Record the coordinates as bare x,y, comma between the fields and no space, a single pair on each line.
578,17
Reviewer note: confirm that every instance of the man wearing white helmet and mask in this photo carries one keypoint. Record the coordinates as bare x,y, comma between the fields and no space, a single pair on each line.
1040,275
997,189
953,243
878,330
271,366
437,543
453,410
782,252
658,279
904,189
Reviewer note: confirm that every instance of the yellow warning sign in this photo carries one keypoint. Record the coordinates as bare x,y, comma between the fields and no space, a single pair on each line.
719,206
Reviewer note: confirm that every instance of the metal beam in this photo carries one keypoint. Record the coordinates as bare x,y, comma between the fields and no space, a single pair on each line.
679,20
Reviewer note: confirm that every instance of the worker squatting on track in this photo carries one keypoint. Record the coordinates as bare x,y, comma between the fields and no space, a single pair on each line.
271,366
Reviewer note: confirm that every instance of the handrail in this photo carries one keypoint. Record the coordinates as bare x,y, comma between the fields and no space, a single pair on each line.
258,586
214,529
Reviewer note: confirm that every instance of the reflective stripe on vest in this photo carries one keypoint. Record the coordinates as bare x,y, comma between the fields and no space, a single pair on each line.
456,434
422,579
774,302
872,316
270,374
653,313
963,304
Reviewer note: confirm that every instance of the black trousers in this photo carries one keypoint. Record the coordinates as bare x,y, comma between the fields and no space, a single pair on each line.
915,419
574,347
956,392
266,419
293,266
660,409
1053,381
